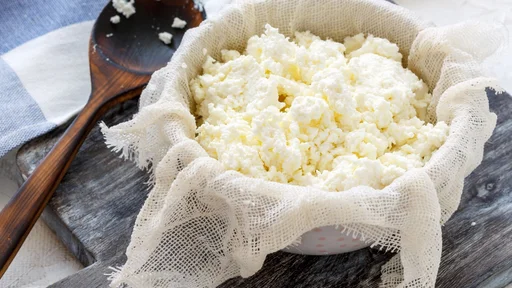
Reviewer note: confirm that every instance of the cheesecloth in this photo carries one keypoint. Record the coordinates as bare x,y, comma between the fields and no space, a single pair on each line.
202,225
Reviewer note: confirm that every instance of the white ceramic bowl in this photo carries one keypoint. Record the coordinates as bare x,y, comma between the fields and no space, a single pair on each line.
326,240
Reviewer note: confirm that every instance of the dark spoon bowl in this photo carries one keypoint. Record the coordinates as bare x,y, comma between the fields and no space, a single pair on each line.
134,44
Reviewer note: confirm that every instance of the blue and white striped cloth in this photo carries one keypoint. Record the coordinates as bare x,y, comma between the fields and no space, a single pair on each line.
44,71
44,66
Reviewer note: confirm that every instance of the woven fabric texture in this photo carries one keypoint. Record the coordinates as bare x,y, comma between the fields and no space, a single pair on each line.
202,224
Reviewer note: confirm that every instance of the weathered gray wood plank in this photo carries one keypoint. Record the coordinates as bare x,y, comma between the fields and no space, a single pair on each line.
92,276
94,209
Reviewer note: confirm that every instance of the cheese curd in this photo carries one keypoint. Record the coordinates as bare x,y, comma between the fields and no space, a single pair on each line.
165,37
315,112
124,7
178,23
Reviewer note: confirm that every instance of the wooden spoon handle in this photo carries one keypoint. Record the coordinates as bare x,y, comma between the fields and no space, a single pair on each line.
23,210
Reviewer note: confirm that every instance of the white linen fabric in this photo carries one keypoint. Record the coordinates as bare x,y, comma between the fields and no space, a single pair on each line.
44,71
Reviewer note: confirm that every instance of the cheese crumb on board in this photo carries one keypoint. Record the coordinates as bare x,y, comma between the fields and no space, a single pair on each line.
165,37
315,112
115,19
178,23
124,7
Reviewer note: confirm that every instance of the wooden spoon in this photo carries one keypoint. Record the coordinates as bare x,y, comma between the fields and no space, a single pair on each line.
122,58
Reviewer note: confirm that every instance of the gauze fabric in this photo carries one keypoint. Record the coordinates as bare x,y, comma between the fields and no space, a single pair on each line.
202,225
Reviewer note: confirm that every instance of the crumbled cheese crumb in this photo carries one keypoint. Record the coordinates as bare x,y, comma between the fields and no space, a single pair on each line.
109,35
205,51
165,37
178,23
124,7
198,5
473,223
115,19
184,65
315,112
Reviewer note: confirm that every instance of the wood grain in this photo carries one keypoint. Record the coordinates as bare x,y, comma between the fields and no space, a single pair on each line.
88,220
119,67
94,209
22,211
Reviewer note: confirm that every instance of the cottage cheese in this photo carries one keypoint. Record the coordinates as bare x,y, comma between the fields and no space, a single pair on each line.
178,23
124,7
165,37
315,112
115,19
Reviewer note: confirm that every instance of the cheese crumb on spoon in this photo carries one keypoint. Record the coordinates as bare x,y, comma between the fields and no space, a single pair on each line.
178,23
124,7
165,37
115,19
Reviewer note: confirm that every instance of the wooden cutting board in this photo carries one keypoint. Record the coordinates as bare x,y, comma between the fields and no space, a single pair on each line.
94,209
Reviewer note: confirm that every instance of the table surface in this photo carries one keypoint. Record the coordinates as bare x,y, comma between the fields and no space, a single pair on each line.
94,209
